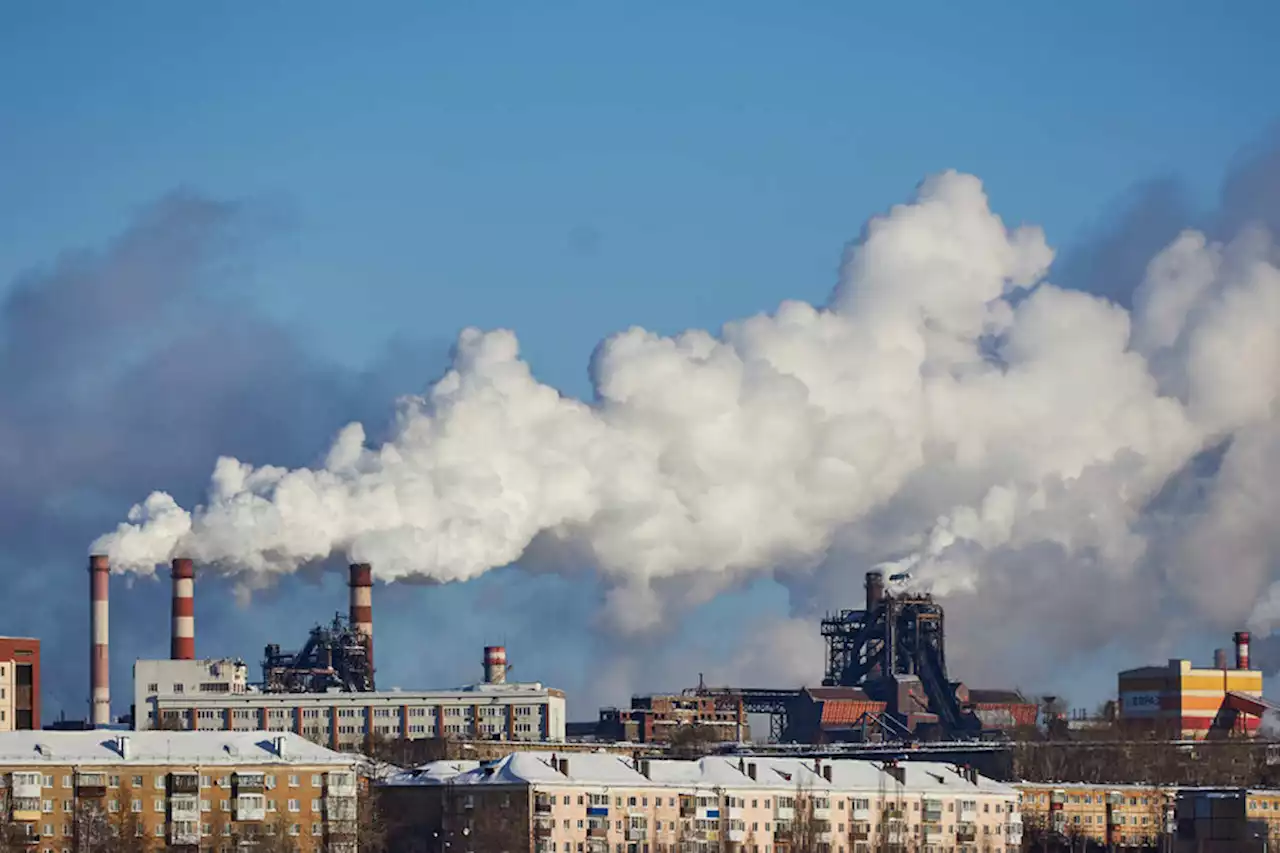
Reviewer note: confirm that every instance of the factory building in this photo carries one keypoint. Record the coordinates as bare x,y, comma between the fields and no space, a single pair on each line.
76,790
323,692
594,802
658,718
346,721
19,683
1181,701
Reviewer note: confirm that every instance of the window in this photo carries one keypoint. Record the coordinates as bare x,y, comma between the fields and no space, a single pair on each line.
159,805
205,806
315,805
315,780
47,806
293,805
113,806
204,781
177,688
113,781
159,783
136,806
317,829
137,781
293,781
269,780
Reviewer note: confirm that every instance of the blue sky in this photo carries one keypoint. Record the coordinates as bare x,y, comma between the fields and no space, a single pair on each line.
570,169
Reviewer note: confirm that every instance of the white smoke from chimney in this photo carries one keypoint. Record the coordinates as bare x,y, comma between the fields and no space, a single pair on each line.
925,392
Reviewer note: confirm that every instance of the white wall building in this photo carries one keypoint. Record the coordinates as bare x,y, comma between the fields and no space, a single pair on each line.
514,711
153,679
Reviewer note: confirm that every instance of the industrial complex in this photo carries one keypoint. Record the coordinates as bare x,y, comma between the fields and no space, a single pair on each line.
891,752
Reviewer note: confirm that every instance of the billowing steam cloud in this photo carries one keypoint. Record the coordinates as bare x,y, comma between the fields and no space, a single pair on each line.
947,407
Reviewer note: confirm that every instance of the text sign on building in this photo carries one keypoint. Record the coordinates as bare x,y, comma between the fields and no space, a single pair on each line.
1147,702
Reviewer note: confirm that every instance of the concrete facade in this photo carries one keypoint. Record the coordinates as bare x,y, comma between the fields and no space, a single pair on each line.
751,804
347,721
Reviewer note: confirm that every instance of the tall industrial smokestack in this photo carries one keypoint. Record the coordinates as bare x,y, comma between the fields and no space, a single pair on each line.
362,606
182,637
1242,649
1220,659
99,670
875,589
495,665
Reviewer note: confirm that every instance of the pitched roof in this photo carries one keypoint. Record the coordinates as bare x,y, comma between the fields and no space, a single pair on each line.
29,748
982,697
711,772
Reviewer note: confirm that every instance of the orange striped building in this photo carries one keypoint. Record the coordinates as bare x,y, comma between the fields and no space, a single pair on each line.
1180,701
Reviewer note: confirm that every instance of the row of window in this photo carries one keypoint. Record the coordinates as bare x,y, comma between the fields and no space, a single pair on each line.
819,803
113,781
184,827
159,805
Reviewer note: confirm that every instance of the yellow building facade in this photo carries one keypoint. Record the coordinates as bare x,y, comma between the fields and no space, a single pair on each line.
1181,701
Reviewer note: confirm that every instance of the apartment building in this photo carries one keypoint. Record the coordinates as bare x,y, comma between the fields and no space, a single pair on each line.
346,721
1120,815
66,790
657,718
605,803
19,683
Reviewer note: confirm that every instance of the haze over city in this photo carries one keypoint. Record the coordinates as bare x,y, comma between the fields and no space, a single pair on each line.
630,339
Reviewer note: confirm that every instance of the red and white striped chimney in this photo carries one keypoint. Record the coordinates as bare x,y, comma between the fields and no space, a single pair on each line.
99,669
495,665
182,637
362,605
1242,649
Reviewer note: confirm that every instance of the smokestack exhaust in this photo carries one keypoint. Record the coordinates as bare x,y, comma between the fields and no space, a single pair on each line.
1242,649
99,632
495,665
362,607
182,638
875,589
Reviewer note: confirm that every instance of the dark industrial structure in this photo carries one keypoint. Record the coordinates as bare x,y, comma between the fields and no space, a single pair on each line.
335,656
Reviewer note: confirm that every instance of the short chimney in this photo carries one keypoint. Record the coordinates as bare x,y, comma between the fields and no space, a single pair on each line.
1242,649
875,589
278,745
826,772
1220,659
751,770
495,665
122,746
645,768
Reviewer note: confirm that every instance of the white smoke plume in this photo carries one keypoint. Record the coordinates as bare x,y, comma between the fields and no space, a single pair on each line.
948,410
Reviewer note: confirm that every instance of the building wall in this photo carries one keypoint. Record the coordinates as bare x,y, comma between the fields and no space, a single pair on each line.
154,678
600,818
657,718
137,797
19,683
1135,815
347,720
1181,701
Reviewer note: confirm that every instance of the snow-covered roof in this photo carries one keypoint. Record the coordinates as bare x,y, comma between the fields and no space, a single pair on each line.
163,748
542,769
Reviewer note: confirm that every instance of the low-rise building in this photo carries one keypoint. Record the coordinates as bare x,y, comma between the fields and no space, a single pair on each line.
155,678
591,802
658,718
73,790
348,721
19,683
1122,816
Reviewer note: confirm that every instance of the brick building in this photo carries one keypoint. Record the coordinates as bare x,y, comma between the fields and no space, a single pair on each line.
19,683
70,790
656,718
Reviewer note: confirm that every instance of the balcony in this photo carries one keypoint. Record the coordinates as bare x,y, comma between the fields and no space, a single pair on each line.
340,808
184,807
860,813
784,813
542,827
340,783
184,833
968,815
597,829
184,783
542,804
248,782
860,831
637,833
27,786
966,832
251,807
1013,832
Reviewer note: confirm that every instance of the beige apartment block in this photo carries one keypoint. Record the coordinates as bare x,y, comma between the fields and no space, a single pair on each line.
597,803
70,790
